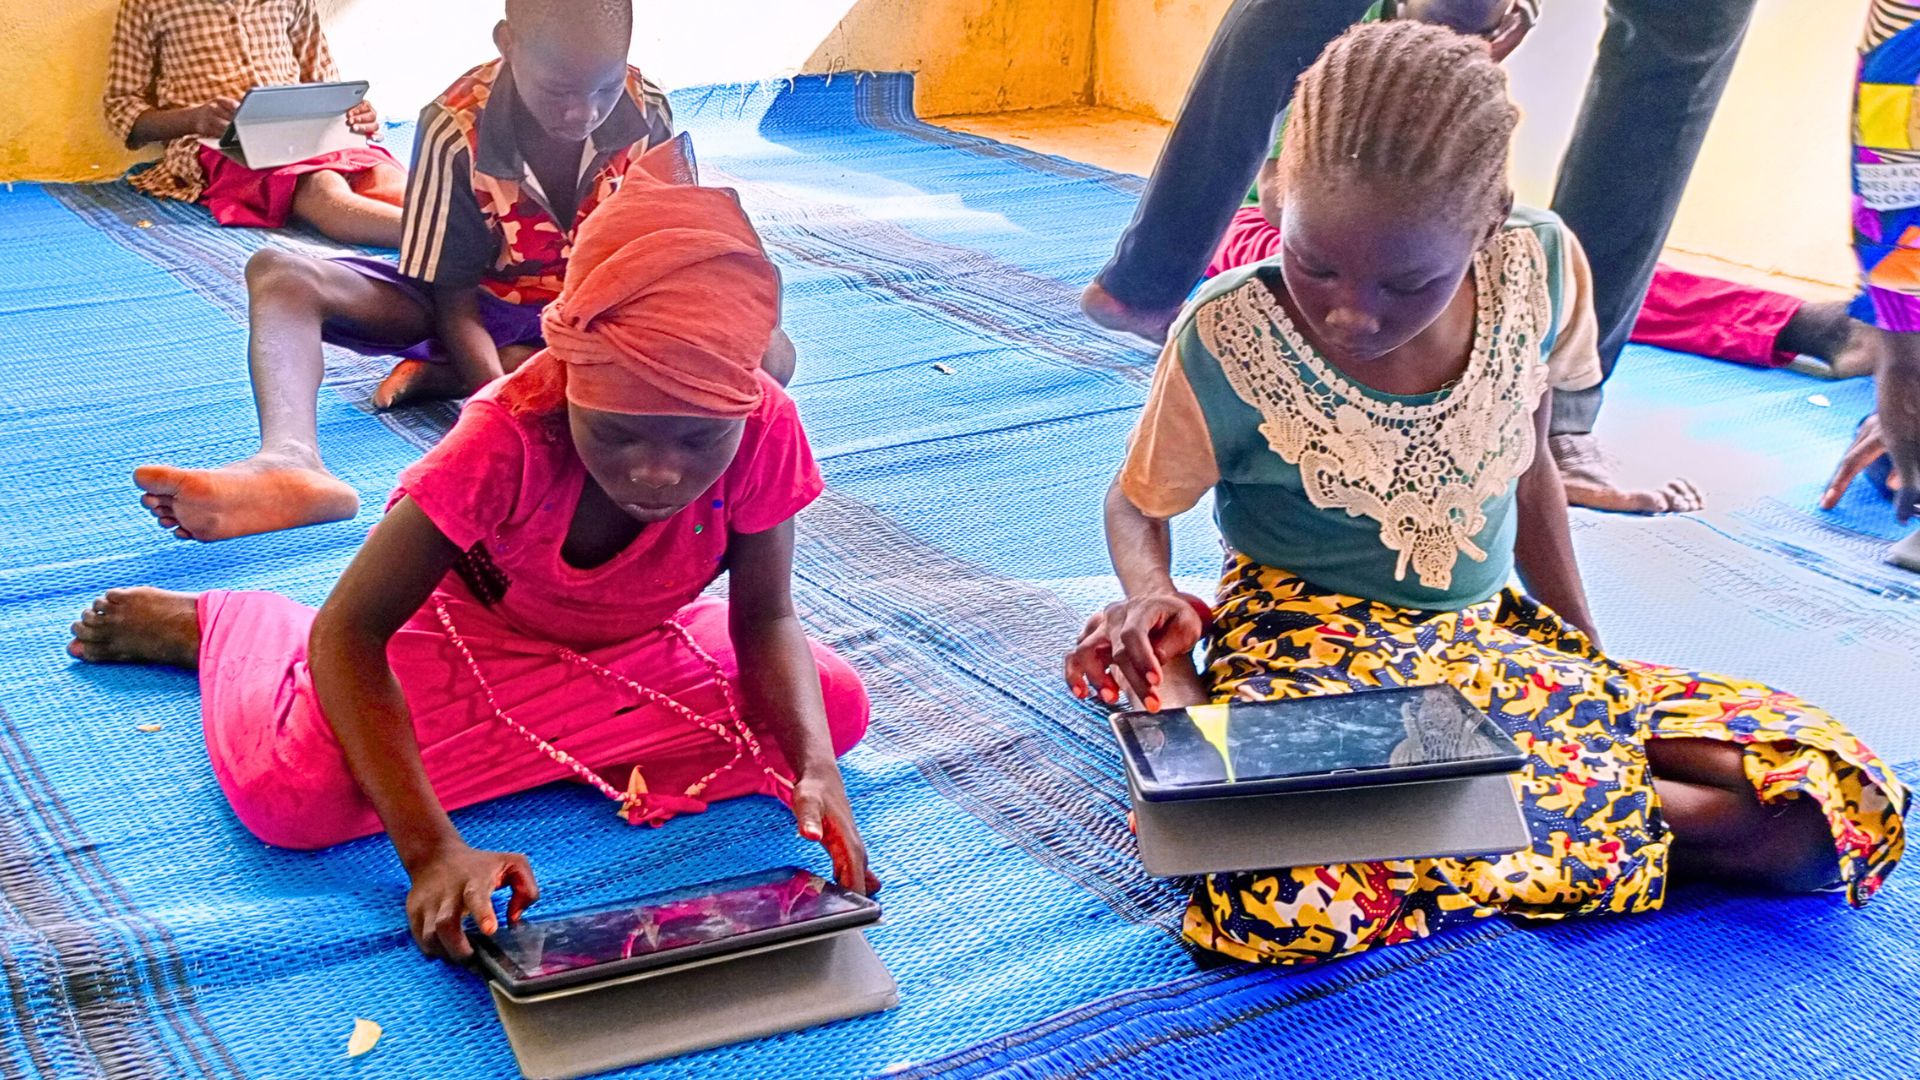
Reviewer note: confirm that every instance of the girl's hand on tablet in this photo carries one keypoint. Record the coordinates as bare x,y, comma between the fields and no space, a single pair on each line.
1129,646
825,817
458,884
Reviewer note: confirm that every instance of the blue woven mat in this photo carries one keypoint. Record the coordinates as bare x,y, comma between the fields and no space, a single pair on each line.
142,932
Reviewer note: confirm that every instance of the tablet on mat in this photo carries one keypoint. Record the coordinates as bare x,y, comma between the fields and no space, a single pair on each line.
714,919
1368,737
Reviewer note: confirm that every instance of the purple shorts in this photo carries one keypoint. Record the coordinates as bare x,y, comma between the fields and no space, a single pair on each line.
507,324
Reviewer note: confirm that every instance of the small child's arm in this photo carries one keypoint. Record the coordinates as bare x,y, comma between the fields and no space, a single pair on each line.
780,684
395,572
1267,183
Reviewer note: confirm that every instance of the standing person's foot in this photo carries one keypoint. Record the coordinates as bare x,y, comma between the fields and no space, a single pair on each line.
1589,478
1106,310
139,626
1827,331
265,493
414,381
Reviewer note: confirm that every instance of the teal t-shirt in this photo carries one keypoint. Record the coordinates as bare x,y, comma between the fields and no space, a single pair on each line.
1403,500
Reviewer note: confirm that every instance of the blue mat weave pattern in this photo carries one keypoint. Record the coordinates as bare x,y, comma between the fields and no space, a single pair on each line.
144,933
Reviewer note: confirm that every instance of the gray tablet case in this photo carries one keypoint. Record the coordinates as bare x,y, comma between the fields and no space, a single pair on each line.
279,125
1906,553
712,1002
1474,815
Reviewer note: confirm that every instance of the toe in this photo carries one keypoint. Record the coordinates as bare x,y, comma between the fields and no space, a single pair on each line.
158,479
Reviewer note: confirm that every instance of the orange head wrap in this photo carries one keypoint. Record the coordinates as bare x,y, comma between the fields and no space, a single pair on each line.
669,301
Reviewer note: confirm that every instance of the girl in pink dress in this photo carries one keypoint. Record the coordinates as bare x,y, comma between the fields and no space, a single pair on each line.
530,608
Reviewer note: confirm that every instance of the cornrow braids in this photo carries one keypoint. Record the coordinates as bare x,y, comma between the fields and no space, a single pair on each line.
1411,103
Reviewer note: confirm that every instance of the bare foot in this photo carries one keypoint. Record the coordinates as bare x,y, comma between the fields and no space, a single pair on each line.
139,626
264,493
1105,309
413,381
1590,482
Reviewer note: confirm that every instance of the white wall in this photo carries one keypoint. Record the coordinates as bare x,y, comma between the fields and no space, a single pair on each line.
1770,189
972,55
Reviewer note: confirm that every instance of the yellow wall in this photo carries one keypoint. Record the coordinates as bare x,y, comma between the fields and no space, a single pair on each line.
1770,189
973,55
52,71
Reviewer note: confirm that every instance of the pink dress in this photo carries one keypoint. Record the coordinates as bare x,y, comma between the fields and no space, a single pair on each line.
503,486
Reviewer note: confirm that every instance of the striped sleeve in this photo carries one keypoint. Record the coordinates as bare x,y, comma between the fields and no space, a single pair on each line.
444,237
659,112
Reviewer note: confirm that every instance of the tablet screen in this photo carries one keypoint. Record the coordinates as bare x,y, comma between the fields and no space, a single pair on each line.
1398,730
668,922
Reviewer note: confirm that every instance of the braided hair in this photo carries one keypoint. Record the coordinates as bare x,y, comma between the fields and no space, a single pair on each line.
1413,104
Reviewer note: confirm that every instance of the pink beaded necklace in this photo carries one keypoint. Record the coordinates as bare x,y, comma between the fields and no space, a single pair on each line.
638,805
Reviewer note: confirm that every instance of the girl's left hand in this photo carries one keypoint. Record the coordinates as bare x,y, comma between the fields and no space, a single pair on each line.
825,817
363,120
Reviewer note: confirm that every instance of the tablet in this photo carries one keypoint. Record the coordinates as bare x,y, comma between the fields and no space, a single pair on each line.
1368,737
298,101
541,954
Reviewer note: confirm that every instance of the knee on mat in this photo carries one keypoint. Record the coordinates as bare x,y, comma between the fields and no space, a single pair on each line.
1796,852
273,272
845,696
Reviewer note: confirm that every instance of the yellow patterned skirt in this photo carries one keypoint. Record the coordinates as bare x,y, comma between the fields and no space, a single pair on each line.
1599,844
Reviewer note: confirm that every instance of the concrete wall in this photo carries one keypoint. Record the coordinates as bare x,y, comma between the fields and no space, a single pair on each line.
1770,189
973,56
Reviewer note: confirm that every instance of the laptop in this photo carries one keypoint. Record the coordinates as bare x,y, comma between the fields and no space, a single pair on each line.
279,125
1400,773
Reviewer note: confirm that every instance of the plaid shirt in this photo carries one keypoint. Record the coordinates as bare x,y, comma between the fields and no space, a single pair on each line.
475,214
170,54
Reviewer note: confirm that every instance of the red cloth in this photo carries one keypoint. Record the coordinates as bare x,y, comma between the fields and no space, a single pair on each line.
263,198
1709,317
1250,239
281,767
669,301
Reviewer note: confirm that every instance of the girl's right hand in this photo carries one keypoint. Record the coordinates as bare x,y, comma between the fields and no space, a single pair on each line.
459,883
1133,639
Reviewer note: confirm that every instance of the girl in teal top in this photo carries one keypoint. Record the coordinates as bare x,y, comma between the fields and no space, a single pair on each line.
1366,409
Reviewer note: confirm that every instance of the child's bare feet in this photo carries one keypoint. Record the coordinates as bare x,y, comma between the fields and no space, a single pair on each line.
1590,482
413,381
1106,310
139,626
265,493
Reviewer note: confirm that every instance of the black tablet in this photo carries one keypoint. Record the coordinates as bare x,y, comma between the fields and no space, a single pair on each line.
552,953
1389,736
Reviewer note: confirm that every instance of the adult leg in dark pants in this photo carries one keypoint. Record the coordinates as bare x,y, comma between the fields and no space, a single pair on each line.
1223,134
1658,79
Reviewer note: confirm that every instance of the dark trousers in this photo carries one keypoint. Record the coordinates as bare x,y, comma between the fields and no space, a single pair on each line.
1660,72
